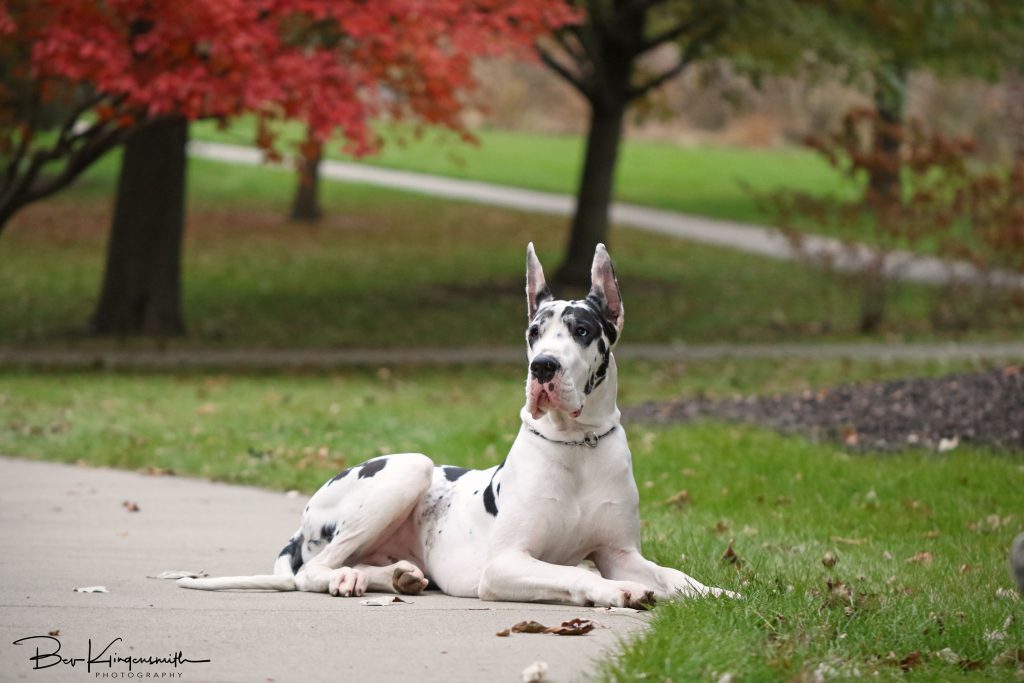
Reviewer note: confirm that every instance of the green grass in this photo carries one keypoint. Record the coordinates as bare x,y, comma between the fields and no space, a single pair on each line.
784,501
720,182
392,269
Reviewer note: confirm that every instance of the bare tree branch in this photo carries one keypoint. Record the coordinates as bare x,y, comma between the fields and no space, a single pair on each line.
574,48
575,80
671,33
690,53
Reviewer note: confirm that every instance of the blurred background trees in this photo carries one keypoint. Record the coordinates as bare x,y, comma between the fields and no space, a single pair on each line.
84,77
102,74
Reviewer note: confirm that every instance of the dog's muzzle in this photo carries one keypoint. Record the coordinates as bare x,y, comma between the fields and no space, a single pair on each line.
543,368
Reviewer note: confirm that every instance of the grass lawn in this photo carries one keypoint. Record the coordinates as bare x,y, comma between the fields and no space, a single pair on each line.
784,501
392,269
720,182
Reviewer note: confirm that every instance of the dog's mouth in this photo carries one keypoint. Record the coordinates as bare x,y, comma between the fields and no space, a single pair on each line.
542,397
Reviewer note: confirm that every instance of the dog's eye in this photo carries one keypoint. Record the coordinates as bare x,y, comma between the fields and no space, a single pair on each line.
533,331
582,331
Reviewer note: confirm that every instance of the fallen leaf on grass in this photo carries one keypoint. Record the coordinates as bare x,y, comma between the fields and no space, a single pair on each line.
1014,657
535,673
829,559
911,661
839,594
179,574
948,655
730,557
1006,594
680,500
384,602
92,589
923,558
849,541
130,506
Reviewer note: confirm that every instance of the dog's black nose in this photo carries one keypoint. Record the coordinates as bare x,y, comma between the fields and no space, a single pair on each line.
544,368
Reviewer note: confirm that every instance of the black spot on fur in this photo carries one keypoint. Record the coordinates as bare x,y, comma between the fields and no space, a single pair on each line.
369,469
453,473
489,503
542,296
600,306
327,532
339,475
294,549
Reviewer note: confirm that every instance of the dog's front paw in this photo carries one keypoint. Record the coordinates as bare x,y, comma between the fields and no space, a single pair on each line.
626,594
347,582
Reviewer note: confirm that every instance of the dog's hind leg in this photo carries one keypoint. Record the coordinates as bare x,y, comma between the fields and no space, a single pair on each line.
375,501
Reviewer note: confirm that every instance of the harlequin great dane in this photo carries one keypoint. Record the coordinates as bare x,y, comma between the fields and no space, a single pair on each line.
519,530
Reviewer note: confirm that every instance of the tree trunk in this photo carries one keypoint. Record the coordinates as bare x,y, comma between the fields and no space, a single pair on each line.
1015,112
142,281
594,197
885,175
306,206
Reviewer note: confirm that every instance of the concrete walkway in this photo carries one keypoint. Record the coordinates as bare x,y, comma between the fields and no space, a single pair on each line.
256,359
63,527
754,239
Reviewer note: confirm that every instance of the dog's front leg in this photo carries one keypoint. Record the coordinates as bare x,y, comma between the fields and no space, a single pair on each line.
517,576
667,583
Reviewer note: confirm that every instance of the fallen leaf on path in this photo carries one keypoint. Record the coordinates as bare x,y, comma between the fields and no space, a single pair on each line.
54,632
179,574
573,627
627,610
535,673
529,627
130,506
159,471
384,602
92,589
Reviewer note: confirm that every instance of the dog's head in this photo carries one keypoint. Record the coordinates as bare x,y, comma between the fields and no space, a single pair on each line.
569,342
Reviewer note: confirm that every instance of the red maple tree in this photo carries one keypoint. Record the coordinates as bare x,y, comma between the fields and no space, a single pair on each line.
95,71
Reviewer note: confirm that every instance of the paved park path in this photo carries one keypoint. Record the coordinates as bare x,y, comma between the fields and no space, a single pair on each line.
64,526
325,359
754,239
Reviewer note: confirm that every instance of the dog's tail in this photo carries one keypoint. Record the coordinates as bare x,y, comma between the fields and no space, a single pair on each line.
266,582
283,579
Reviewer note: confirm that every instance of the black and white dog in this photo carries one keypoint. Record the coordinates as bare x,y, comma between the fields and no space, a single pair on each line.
519,530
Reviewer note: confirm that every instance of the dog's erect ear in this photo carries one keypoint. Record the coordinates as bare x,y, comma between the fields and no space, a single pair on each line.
605,288
537,291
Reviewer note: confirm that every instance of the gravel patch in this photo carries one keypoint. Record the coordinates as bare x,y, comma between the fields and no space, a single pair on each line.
978,408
